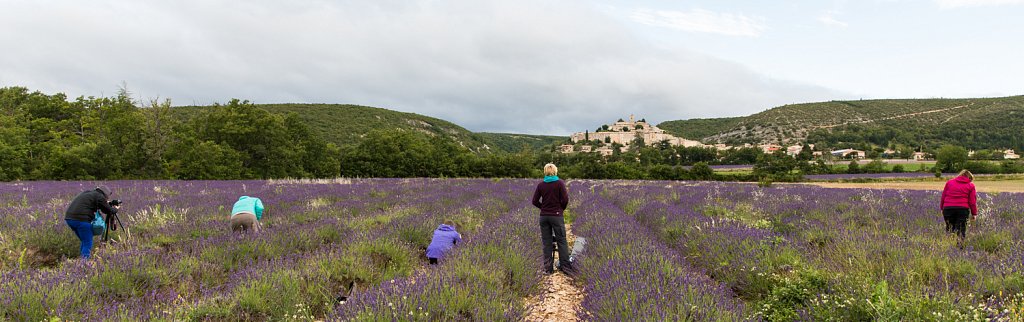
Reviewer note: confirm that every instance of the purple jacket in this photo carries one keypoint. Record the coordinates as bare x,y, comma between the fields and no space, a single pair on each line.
444,238
551,198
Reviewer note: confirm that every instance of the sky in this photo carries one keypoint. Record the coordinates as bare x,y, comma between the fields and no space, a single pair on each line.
523,66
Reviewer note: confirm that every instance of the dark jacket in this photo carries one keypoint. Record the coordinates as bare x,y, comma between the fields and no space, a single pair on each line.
85,205
551,198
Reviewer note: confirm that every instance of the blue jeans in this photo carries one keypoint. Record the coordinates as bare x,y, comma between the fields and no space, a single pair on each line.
83,230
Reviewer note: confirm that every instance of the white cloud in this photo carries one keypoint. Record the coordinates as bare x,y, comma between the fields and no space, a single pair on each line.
949,4
533,66
700,20
828,18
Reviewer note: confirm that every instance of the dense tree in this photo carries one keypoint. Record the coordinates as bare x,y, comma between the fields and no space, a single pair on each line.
875,166
701,171
951,158
853,167
775,166
747,155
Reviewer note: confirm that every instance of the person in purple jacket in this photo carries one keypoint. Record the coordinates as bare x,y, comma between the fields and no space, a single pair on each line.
552,198
445,237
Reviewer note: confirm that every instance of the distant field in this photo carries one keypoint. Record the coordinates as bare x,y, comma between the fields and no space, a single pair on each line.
983,186
908,165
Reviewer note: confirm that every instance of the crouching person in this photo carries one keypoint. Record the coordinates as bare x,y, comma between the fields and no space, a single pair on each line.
445,237
246,214
83,210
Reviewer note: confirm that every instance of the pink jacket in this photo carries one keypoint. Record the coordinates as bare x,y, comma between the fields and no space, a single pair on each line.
959,192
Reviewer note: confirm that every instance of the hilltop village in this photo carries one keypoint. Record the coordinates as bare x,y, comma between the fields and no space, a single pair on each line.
624,134
621,135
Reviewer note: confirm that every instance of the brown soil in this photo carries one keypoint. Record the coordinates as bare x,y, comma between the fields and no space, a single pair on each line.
561,298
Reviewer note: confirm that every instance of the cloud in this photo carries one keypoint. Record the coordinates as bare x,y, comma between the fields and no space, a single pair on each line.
527,66
949,4
699,20
828,18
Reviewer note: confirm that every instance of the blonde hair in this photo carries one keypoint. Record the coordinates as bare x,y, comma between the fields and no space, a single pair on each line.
550,169
966,173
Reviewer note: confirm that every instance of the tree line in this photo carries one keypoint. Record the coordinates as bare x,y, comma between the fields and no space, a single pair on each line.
49,137
44,137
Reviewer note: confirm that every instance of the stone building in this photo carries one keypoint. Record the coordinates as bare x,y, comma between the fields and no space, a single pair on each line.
624,132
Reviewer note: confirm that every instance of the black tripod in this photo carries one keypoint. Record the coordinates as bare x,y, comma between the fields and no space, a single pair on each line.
112,220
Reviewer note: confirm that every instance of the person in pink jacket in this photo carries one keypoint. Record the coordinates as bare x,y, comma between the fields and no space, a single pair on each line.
959,199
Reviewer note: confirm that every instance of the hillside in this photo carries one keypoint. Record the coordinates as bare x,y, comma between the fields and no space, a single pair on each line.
984,123
514,142
699,128
344,124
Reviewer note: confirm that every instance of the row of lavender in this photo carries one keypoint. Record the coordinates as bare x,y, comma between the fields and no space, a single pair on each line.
181,261
484,279
801,252
630,275
627,273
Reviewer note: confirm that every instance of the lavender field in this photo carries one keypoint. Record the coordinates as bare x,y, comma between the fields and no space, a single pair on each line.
656,251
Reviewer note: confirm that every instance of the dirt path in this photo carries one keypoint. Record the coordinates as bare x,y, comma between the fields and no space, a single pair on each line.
894,117
982,185
561,298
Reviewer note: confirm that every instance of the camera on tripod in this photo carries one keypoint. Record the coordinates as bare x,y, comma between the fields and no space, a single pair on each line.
113,220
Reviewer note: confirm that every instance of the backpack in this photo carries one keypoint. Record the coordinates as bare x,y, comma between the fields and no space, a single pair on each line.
98,225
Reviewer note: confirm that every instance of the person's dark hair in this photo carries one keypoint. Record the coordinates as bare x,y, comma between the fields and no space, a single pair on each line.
105,190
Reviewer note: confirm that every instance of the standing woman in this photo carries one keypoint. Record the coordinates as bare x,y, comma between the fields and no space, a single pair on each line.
552,197
959,199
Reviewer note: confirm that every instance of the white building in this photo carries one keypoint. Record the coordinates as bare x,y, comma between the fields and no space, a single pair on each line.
848,152
1010,155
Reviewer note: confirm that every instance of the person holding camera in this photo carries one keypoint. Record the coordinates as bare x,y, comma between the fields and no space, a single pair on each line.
246,214
82,211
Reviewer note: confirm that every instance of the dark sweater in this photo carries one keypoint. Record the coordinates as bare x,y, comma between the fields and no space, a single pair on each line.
551,198
85,205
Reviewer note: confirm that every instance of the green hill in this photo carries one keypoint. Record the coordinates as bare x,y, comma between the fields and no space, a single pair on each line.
344,124
698,128
982,123
514,142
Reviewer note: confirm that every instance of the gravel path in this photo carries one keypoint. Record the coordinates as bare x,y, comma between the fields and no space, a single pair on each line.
561,298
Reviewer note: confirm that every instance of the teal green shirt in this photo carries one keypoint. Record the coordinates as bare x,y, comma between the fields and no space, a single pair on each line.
248,204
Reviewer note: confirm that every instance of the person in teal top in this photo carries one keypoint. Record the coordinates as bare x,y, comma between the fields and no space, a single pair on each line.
246,214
